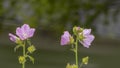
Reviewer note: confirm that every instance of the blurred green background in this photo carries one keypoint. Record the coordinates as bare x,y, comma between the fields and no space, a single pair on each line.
51,18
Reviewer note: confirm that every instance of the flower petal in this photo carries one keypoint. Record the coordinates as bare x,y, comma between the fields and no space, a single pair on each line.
65,38
87,41
19,33
25,27
13,37
86,31
31,32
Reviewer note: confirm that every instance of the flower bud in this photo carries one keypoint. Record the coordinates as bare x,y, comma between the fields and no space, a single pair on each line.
71,66
22,59
31,49
71,40
14,38
85,60
77,30
81,37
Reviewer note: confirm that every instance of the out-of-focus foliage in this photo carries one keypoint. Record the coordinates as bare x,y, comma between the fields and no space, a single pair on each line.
54,15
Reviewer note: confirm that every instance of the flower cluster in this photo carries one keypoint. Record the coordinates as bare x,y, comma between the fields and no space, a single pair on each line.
80,35
84,36
22,38
24,33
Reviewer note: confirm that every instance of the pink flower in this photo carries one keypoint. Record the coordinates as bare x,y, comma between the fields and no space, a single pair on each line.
65,38
24,32
13,38
87,38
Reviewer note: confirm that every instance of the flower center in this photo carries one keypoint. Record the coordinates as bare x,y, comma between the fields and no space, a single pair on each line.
24,34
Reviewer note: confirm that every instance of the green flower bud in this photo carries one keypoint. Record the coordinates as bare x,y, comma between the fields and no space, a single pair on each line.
18,41
71,40
77,30
81,37
85,60
31,49
22,59
71,66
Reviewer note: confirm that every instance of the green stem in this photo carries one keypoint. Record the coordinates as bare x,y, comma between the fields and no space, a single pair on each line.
28,41
23,65
81,65
76,52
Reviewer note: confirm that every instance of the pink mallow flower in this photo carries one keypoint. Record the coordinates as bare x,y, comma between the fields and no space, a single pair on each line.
24,32
87,38
13,38
65,38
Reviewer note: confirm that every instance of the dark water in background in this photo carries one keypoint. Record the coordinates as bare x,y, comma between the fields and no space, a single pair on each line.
104,53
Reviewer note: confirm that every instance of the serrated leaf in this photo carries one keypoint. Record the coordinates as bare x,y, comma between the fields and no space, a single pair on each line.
18,46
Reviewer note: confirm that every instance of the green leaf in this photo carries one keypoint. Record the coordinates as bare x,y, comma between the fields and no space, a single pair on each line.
31,58
73,50
18,46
